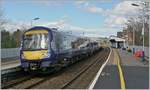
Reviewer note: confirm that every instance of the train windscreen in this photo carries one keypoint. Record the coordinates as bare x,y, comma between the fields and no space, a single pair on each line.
35,41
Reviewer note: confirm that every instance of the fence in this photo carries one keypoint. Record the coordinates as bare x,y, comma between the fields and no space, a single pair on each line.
10,52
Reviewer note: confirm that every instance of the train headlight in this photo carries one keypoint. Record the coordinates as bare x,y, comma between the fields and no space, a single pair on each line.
47,55
22,56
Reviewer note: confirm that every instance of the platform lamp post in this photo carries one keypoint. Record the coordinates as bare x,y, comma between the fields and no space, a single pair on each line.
133,4
34,20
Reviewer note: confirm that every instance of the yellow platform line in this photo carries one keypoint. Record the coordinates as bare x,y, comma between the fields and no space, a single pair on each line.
122,81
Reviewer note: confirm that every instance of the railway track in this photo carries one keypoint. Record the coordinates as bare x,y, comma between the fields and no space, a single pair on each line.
98,59
15,78
64,78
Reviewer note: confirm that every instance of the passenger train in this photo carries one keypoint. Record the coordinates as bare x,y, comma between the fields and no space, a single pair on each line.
45,49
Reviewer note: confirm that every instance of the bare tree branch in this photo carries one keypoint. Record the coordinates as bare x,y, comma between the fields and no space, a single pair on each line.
2,19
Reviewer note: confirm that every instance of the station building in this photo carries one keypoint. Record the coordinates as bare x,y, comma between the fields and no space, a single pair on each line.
117,42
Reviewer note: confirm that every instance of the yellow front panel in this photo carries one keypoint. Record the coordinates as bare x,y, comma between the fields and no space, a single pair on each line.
34,55
36,32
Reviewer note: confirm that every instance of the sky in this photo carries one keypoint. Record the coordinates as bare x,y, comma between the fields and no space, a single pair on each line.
93,17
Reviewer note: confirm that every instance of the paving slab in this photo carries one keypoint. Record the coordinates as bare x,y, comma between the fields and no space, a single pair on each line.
136,77
10,64
109,78
128,59
136,73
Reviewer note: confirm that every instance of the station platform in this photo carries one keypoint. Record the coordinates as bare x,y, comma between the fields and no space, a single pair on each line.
10,63
134,75
128,59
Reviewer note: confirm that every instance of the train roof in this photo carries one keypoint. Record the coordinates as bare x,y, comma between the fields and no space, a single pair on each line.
49,29
42,27
46,28
53,29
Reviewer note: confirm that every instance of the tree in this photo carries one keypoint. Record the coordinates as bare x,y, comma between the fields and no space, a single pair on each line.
136,23
17,37
5,39
2,19
10,40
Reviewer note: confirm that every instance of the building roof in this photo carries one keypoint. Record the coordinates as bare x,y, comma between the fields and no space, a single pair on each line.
114,38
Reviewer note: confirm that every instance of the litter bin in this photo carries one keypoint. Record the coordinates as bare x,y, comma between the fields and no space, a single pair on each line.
133,50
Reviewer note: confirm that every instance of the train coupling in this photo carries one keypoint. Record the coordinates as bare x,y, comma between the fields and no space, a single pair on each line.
33,66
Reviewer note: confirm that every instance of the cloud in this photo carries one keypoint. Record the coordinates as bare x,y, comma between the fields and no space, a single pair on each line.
13,26
50,2
65,26
81,1
94,9
40,2
116,16
115,21
90,32
87,6
125,8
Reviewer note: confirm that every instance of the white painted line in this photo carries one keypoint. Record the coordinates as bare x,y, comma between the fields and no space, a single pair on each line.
13,65
10,70
99,72
10,62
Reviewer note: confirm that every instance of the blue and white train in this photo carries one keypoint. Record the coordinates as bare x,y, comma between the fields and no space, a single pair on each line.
44,49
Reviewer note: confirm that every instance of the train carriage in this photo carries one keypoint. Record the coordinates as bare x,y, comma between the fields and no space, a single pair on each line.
45,49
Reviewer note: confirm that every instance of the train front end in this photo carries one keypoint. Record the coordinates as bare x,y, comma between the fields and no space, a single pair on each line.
36,52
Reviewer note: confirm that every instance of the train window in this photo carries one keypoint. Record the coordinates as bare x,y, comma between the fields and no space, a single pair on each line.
44,41
53,43
35,41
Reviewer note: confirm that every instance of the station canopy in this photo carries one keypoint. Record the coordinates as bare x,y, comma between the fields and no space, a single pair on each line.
116,39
